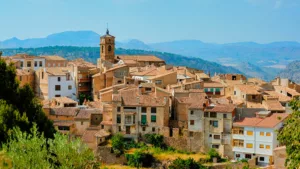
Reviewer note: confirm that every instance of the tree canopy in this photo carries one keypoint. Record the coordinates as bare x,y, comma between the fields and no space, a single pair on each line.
290,136
18,106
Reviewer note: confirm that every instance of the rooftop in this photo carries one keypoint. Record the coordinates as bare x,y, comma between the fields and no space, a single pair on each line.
58,71
53,57
249,89
140,58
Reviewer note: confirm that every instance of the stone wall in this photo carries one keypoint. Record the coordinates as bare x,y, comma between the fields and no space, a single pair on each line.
183,139
104,155
279,157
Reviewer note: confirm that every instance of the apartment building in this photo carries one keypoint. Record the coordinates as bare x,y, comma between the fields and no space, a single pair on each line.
250,95
29,62
256,137
54,61
216,122
55,82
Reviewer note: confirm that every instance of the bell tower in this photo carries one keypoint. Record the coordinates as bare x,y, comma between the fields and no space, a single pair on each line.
107,47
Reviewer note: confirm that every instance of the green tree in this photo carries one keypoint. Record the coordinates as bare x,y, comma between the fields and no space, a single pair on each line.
34,151
185,164
140,159
213,153
290,136
155,139
22,102
117,142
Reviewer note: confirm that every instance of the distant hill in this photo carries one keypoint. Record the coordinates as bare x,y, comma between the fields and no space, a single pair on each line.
252,70
292,71
92,54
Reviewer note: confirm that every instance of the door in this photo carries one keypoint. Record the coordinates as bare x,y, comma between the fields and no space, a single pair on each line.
127,129
271,160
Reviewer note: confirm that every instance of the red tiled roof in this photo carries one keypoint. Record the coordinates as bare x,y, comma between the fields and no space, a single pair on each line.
267,122
64,111
221,108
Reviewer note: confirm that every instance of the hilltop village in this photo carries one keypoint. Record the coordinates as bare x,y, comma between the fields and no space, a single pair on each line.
137,95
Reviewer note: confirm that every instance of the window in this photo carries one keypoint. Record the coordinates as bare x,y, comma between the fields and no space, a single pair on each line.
210,135
58,64
250,133
53,64
213,114
49,64
118,118
148,89
217,137
21,64
57,87
234,92
66,128
191,134
58,79
158,82
119,81
118,109
35,63
217,90
261,158
144,128
20,78
144,109
41,64
102,126
28,63
153,118
192,122
253,97
81,122
206,90
225,116
261,146
57,95
268,134
192,112
248,156
102,50
268,147
70,87
153,129
120,129
238,143
238,155
214,123
127,119
249,145
42,75
205,114
109,48
144,119
216,146
261,133
153,109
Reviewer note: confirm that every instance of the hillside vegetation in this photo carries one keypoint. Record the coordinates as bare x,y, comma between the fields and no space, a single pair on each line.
91,54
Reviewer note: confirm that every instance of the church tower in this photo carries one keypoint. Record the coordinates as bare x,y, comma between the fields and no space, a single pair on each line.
107,47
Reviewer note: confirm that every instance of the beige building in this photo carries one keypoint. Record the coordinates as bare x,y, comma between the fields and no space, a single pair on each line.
25,77
55,61
82,72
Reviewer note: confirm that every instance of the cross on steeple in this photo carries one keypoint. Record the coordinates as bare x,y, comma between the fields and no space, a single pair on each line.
107,31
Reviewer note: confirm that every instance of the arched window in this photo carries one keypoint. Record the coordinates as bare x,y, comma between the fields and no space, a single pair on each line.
109,48
102,49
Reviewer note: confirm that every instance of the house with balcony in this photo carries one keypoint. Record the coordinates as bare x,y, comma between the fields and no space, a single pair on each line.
216,123
140,110
250,95
214,89
82,71
256,137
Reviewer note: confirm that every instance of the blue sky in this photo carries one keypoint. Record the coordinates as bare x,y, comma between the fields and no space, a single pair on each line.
218,21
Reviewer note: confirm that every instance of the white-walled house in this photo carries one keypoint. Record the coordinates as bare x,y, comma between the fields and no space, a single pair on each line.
55,82
256,137
29,62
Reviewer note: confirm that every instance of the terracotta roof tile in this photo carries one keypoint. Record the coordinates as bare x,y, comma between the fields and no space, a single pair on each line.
212,84
221,108
267,122
144,58
54,57
249,89
273,105
63,123
281,97
64,111
58,71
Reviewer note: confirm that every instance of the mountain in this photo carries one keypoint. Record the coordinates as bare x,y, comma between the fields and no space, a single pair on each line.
292,71
92,54
133,44
252,70
69,38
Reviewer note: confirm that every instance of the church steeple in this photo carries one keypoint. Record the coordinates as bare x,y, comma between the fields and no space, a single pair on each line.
107,31
107,47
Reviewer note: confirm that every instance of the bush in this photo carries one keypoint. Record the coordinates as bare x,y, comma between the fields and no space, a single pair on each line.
185,164
140,159
155,139
118,144
213,154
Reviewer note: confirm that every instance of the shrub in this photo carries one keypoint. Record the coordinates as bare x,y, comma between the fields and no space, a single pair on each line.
214,154
118,144
140,159
185,164
155,139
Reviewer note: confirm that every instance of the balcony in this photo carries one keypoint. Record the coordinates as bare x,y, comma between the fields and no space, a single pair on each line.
84,88
84,80
143,123
216,141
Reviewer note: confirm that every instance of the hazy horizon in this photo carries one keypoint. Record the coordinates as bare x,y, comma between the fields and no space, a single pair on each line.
213,21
